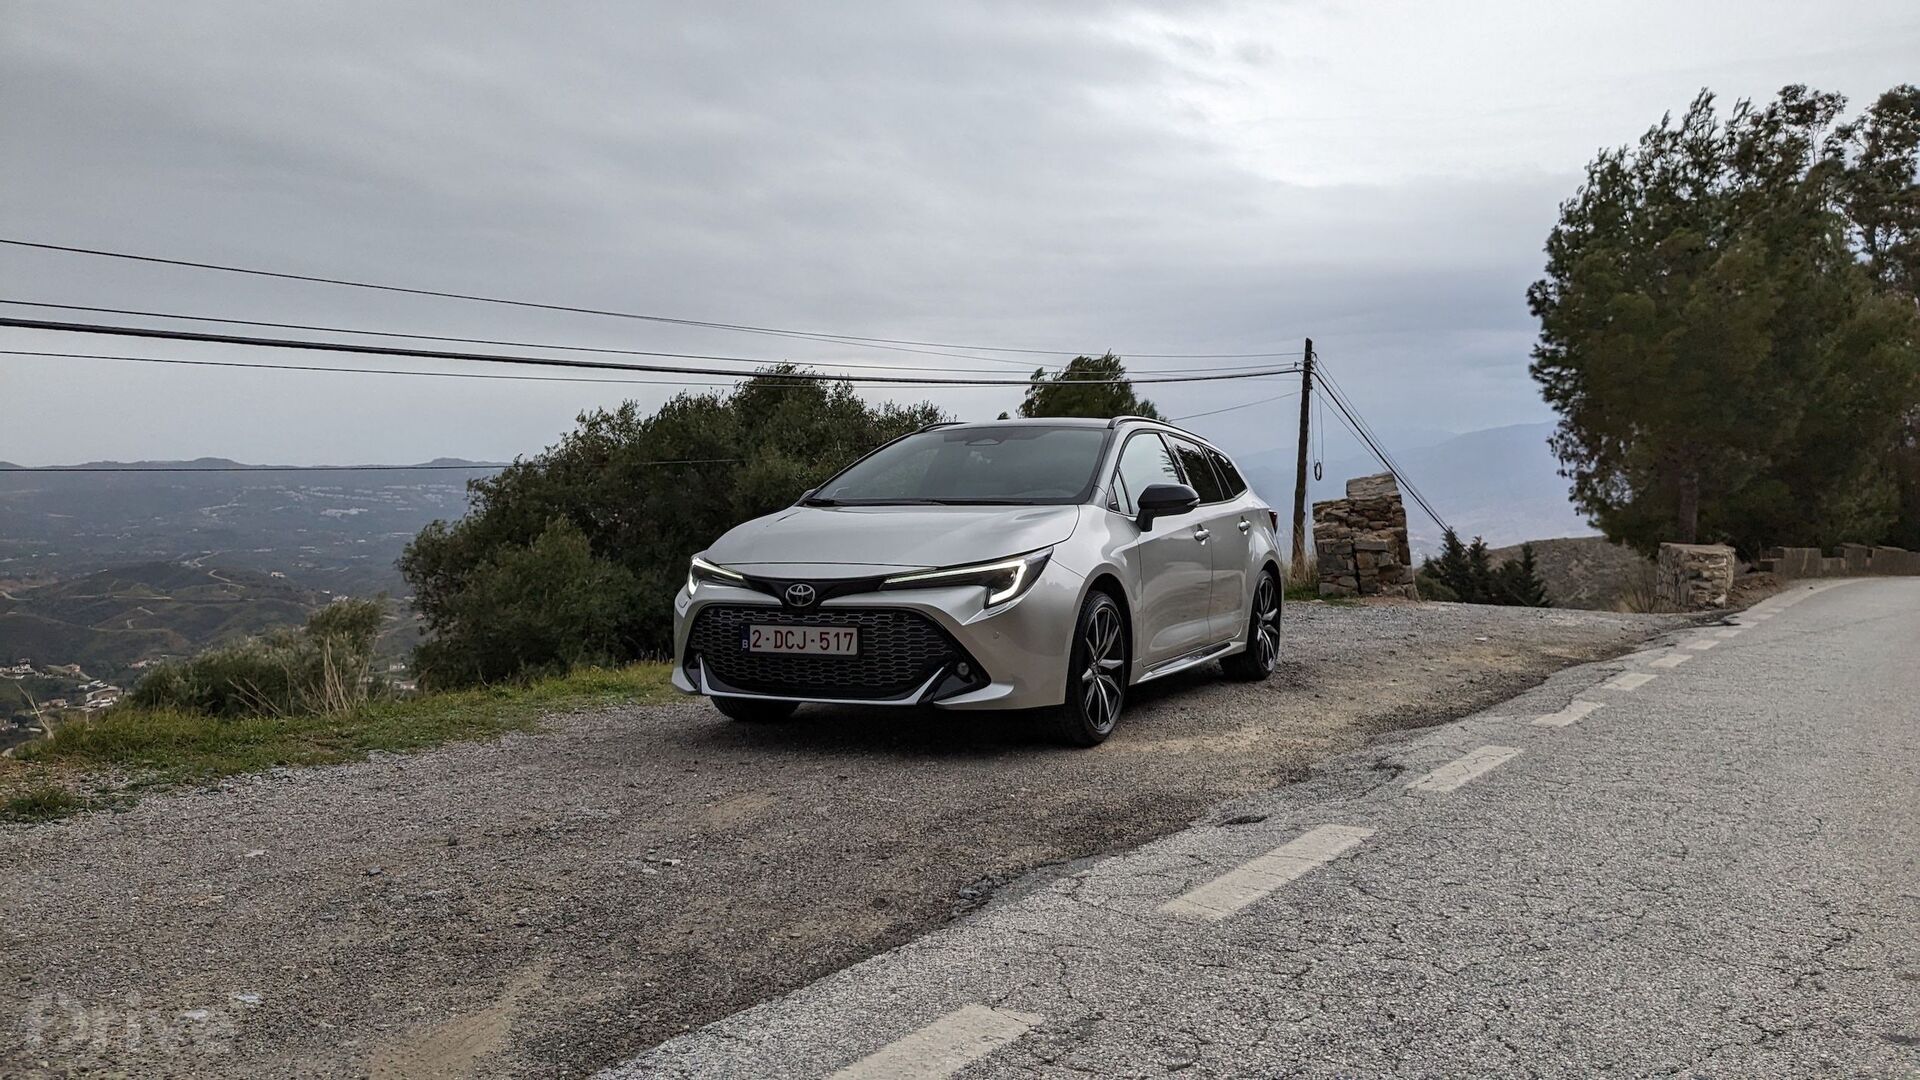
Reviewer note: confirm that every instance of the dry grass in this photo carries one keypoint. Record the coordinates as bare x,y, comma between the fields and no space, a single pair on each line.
161,746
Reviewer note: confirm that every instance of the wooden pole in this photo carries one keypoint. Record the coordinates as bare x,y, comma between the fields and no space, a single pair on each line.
1300,573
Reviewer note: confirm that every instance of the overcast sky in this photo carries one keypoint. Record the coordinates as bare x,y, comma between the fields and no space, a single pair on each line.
1079,176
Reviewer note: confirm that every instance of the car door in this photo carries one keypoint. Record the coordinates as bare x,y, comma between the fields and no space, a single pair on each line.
1174,585
1227,526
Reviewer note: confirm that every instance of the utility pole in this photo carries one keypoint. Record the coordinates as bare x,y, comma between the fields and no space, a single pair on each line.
1299,573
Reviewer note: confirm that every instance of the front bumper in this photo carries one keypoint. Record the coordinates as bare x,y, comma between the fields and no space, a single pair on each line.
913,644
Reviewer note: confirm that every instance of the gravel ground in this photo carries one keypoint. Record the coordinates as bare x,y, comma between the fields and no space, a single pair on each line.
552,903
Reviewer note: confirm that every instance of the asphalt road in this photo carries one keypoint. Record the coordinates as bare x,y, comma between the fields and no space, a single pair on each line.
1699,860
553,903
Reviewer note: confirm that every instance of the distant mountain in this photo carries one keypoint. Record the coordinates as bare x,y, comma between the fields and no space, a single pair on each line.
1499,483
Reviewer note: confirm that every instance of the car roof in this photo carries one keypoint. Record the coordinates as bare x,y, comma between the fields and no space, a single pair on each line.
1074,422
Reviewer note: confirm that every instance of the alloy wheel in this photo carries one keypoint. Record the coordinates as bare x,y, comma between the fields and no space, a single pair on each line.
1266,622
1100,686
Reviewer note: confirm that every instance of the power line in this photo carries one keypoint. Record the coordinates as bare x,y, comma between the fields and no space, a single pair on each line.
845,339
57,469
1353,425
1339,394
541,345
372,371
1242,405
551,361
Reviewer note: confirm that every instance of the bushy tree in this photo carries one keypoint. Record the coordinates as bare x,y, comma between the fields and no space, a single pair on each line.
604,521
1728,329
1083,388
547,606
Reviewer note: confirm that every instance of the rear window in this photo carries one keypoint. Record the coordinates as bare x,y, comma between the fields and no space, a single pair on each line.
1229,475
1200,474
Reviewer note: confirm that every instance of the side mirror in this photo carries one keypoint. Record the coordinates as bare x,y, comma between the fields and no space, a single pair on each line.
805,495
1165,500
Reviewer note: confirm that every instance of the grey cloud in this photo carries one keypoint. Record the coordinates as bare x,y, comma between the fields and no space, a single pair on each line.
991,172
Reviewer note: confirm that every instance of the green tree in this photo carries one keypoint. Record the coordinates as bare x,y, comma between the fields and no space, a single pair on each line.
606,519
1480,574
1722,330
1085,387
547,606
1518,581
1451,570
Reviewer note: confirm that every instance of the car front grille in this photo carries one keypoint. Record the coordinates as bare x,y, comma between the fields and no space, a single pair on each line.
899,651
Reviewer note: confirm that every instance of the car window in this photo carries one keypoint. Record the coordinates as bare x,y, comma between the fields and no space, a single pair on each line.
1229,475
1143,461
1199,471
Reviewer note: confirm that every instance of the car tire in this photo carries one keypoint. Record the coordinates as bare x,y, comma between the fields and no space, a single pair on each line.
1262,655
1097,666
754,710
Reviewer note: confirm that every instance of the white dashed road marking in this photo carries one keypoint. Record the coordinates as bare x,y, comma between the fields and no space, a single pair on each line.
943,1047
1672,660
1759,616
1577,710
1256,879
1729,631
1454,773
1702,644
1628,680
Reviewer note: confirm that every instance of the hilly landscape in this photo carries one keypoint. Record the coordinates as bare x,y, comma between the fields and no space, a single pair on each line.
104,572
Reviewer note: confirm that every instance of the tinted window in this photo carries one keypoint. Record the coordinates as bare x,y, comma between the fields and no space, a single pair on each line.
1229,475
1200,476
1013,464
1144,461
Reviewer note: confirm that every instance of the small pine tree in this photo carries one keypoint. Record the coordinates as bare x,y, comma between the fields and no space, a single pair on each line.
1480,574
1520,581
1452,569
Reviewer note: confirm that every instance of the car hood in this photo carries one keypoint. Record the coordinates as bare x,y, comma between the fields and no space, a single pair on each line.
886,536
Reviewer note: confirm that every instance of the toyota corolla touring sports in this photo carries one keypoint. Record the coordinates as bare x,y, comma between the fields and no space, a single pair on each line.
1019,564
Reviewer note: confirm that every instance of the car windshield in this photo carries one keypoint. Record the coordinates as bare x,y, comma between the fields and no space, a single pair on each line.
961,465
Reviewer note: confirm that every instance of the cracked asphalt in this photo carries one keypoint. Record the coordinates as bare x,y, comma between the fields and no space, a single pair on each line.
1715,873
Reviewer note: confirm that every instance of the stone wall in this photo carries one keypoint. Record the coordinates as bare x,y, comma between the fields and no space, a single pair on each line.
1361,541
1854,560
1694,577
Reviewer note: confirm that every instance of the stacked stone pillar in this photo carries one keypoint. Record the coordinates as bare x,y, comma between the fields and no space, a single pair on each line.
1361,541
1694,577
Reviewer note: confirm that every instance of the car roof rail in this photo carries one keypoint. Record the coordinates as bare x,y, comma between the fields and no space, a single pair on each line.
938,423
1115,422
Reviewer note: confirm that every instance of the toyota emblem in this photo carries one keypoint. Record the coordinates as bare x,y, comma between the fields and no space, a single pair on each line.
800,594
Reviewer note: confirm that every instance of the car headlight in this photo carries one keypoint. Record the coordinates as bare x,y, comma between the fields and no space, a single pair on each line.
1005,579
701,571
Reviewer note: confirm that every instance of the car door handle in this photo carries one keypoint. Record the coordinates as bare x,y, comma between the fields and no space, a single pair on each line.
1200,533
1245,525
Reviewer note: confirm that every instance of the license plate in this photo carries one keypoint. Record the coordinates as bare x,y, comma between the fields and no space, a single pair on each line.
801,640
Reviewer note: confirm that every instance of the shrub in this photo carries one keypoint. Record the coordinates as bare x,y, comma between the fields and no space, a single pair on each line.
323,667
542,608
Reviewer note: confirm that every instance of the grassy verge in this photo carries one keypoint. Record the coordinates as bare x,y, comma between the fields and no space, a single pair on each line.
165,746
